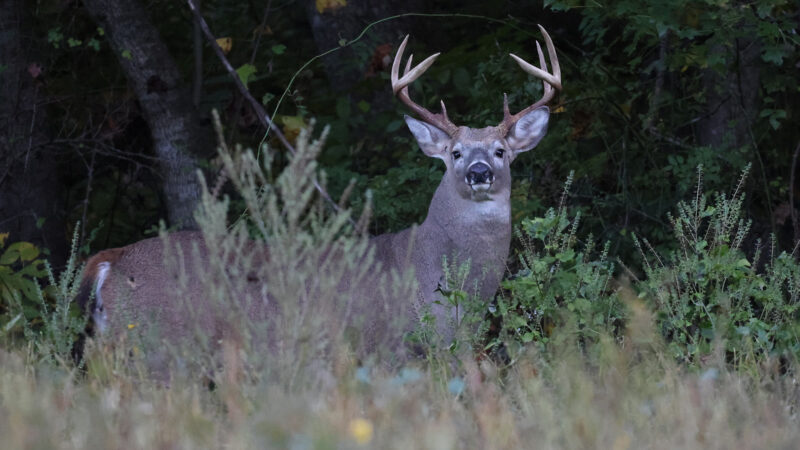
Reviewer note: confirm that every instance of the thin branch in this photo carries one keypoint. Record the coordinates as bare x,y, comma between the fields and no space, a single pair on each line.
89,181
197,42
791,194
265,120
259,31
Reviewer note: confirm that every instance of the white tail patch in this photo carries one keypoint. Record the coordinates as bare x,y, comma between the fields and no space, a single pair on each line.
99,315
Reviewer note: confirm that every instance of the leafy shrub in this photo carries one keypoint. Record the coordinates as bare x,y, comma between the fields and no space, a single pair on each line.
709,291
20,269
560,283
707,295
47,317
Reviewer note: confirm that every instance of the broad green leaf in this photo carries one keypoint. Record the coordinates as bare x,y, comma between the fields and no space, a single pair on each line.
246,72
10,256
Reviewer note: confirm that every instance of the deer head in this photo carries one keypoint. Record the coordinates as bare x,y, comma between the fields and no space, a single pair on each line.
478,159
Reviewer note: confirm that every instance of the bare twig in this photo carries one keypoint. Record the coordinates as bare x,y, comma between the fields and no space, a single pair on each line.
259,31
265,120
197,42
89,181
795,228
661,70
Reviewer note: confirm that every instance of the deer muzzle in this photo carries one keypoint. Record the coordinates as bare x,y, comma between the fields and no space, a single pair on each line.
479,175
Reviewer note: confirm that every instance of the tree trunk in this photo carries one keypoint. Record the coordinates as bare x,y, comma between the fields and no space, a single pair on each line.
731,97
31,207
164,99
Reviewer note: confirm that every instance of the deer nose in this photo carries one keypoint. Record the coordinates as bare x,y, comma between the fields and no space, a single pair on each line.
479,173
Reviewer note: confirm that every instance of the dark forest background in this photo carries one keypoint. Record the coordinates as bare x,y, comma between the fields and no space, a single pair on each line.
105,107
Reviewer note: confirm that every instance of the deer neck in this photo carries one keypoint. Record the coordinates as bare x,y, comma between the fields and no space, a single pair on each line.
480,231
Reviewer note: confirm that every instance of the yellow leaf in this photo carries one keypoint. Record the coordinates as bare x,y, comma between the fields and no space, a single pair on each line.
324,6
225,44
560,109
3,237
292,126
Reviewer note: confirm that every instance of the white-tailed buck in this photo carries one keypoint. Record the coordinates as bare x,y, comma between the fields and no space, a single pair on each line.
468,221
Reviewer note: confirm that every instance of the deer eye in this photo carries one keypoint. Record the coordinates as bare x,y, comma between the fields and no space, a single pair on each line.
499,152
456,154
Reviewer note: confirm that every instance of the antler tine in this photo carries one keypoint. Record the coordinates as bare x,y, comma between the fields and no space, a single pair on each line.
550,81
396,66
545,85
444,111
551,51
400,89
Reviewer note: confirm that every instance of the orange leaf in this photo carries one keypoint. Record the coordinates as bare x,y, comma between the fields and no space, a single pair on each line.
324,6
225,44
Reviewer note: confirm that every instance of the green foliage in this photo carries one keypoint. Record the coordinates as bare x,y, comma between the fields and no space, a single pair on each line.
560,284
709,293
47,317
708,296
21,269
639,96
56,324
246,73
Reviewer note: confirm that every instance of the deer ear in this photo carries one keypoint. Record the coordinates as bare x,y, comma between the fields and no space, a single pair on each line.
529,130
431,139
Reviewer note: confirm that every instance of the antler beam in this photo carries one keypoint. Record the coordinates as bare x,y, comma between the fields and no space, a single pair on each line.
400,89
550,81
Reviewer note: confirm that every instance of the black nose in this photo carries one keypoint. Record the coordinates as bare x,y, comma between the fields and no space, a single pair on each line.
479,173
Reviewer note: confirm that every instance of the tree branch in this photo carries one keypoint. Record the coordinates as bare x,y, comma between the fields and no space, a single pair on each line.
792,209
197,43
265,120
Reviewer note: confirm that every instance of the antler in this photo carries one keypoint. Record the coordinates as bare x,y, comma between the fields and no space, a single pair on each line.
550,81
400,89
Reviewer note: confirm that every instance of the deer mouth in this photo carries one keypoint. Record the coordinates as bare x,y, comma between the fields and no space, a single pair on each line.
480,188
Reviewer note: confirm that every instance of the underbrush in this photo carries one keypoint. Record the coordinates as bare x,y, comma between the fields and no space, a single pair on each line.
700,351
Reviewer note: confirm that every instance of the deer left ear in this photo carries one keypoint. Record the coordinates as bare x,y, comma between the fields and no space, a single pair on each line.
529,130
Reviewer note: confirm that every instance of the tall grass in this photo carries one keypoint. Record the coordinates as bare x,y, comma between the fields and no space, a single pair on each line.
634,397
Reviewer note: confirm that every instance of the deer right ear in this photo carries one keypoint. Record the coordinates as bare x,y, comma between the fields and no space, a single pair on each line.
431,139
